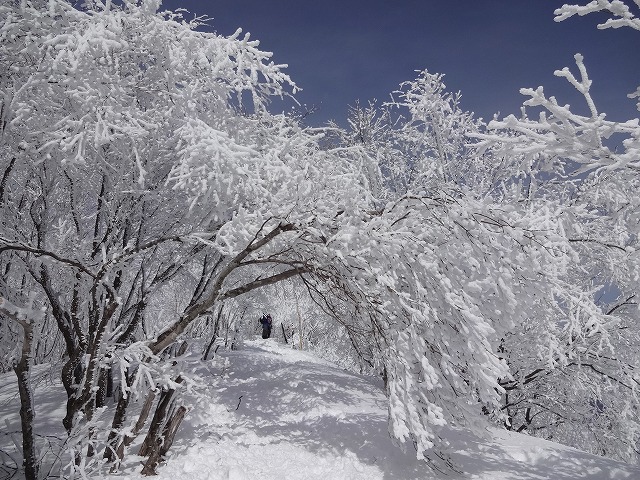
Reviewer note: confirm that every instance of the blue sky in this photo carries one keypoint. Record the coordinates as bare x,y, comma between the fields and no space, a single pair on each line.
342,51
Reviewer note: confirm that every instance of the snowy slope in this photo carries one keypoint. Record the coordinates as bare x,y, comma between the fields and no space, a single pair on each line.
276,413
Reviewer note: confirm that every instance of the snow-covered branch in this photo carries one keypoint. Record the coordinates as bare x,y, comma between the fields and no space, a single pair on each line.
621,12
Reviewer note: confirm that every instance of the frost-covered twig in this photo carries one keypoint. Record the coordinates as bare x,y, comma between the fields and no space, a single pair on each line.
622,14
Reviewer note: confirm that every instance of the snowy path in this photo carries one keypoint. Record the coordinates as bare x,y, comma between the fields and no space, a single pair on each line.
277,413
272,413
297,417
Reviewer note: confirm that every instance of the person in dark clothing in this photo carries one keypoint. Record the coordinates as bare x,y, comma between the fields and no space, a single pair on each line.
266,322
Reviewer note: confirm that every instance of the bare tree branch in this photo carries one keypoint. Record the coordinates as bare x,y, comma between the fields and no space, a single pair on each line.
262,282
194,311
9,246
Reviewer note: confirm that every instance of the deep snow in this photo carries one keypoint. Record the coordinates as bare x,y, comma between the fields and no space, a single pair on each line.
276,413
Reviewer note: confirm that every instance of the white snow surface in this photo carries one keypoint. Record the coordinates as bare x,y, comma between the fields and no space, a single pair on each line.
274,413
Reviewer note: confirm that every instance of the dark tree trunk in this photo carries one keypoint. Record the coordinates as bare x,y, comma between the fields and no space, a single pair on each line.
154,458
158,422
27,413
171,428
119,418
101,394
110,383
5,177
116,440
214,337
163,443
72,374
142,419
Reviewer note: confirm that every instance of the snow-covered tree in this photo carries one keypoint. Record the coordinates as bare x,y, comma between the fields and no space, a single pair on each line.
433,135
560,353
588,165
99,142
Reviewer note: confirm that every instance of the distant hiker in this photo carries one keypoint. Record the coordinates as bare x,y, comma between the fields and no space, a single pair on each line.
266,322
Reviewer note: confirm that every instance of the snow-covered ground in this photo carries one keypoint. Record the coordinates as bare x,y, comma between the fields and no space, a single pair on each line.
276,413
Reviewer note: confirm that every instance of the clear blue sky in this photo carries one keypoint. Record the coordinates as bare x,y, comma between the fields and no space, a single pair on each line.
341,51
